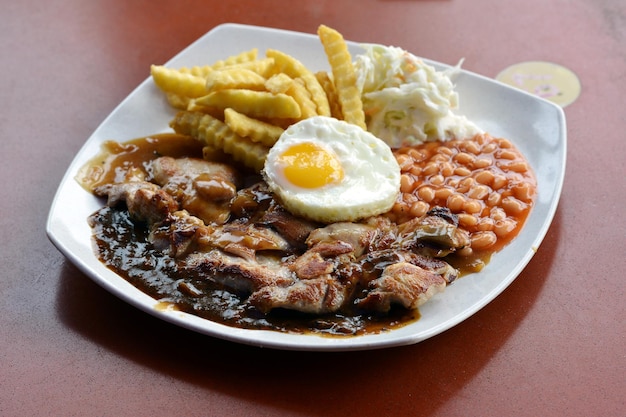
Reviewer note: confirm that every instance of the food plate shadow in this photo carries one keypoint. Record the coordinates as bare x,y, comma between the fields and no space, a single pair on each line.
260,375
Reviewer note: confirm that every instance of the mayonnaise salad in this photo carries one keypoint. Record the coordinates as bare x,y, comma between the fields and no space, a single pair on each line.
406,101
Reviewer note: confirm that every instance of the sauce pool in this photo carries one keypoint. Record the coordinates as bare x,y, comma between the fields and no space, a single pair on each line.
118,161
123,246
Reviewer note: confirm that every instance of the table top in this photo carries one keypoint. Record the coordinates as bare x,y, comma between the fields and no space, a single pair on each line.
551,344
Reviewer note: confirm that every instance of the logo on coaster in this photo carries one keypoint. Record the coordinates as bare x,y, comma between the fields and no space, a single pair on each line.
544,79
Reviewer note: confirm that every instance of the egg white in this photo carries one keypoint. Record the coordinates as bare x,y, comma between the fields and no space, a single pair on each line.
371,180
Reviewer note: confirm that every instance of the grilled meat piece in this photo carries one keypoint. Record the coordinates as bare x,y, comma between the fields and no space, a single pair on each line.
357,235
401,283
241,274
375,262
294,229
322,259
243,239
177,233
145,201
321,295
203,188
437,234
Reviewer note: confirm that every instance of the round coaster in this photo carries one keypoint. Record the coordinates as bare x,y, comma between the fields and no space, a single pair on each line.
544,79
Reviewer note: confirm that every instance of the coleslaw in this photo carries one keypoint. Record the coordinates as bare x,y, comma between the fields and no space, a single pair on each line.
406,101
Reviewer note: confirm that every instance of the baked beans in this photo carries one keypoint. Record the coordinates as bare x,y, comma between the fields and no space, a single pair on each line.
486,181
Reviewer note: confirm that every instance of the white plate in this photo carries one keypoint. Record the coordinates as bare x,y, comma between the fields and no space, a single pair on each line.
536,126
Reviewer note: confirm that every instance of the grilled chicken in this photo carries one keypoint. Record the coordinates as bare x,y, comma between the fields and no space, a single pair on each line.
401,283
243,239
145,201
202,188
316,296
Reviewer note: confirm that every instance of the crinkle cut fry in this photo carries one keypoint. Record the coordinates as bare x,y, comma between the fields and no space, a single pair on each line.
215,133
234,77
177,101
278,83
181,80
344,75
245,60
296,88
256,130
258,104
303,97
331,92
240,58
263,66
294,68
177,82
197,70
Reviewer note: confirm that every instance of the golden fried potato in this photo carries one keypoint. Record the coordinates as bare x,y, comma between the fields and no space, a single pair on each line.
247,59
213,111
344,75
177,82
278,83
256,104
331,92
198,71
264,67
242,57
177,101
282,83
234,77
254,129
303,97
217,135
294,68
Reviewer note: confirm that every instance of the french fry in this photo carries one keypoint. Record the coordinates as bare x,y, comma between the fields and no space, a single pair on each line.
331,92
242,104
282,83
216,134
195,107
278,83
256,104
247,59
344,75
198,71
254,129
303,97
264,67
239,58
234,77
177,101
294,68
180,83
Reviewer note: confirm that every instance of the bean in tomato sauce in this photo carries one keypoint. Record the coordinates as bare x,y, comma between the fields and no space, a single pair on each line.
485,180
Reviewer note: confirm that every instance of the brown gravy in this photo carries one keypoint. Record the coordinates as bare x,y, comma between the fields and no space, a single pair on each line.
117,161
122,245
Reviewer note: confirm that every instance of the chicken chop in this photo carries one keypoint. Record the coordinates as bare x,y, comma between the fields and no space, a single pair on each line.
243,239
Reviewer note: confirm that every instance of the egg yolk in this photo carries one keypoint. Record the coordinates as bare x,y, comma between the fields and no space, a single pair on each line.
308,165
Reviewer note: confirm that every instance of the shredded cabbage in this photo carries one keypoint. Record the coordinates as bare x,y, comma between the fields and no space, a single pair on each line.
406,101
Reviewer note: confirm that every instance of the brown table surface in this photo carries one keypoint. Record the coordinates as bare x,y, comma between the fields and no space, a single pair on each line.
551,344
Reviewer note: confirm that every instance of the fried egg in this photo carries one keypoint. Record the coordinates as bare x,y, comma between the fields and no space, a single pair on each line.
329,170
